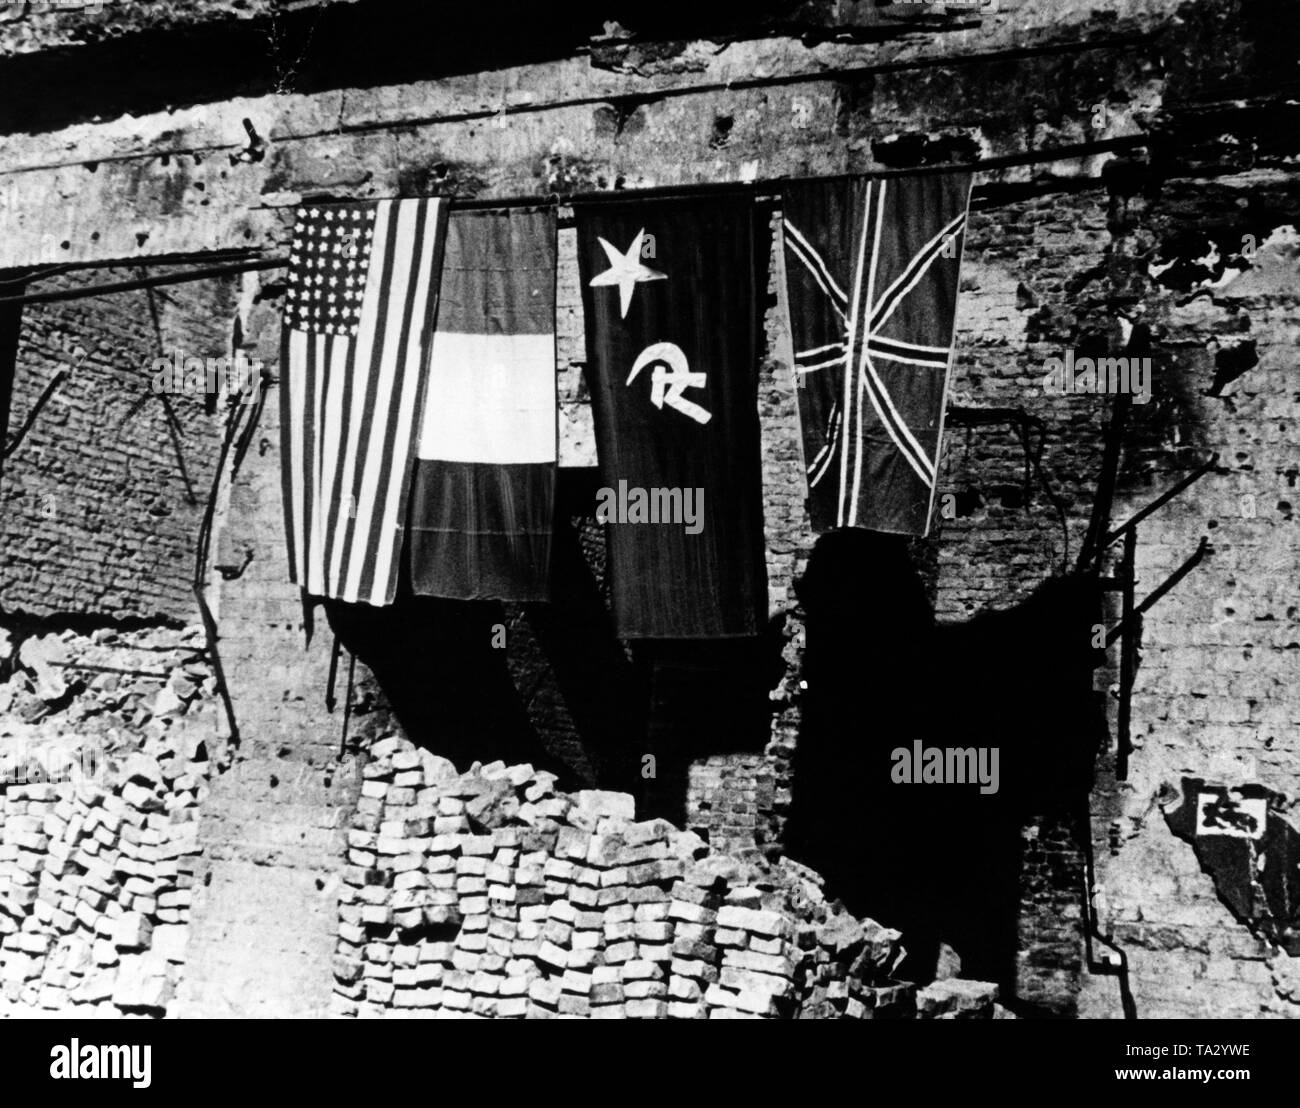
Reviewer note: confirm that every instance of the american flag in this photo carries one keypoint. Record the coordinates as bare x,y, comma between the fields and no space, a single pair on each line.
362,298
872,282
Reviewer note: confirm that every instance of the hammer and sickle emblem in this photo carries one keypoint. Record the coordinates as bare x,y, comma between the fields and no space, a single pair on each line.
671,377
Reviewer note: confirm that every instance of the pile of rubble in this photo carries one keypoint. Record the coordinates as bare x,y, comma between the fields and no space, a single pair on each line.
98,683
490,894
104,762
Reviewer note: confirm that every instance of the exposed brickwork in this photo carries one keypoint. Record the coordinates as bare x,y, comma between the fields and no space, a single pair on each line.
1215,694
730,801
1050,956
1211,697
101,502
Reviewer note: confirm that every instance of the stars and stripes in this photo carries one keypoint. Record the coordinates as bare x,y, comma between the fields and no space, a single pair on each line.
362,298
872,282
328,261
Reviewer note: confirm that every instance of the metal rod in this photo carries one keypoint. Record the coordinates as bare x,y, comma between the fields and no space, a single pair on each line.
145,282
1092,929
153,261
751,189
111,669
1127,651
1162,499
331,701
199,584
1156,596
1182,571
50,389
347,707
774,184
1099,522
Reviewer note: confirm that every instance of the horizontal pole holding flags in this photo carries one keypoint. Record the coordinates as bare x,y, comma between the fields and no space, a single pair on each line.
57,295
769,188
775,184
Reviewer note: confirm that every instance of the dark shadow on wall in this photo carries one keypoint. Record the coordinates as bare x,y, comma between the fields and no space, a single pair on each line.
941,862
564,694
706,698
440,677
868,623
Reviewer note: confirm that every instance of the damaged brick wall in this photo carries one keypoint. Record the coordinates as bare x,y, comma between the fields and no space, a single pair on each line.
1201,249
102,497
1036,279
1215,693
1050,261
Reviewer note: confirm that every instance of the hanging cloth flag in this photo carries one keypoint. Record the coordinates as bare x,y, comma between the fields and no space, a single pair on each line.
482,513
871,278
363,288
669,297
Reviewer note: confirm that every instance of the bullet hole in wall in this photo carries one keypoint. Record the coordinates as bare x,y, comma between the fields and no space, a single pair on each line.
1230,363
722,125
918,148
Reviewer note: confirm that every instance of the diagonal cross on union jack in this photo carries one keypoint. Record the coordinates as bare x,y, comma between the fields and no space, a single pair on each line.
864,311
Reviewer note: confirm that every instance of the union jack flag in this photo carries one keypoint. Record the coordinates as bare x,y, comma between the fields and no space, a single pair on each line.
871,278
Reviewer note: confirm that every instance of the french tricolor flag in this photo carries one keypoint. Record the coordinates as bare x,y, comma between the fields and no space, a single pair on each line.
483,502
